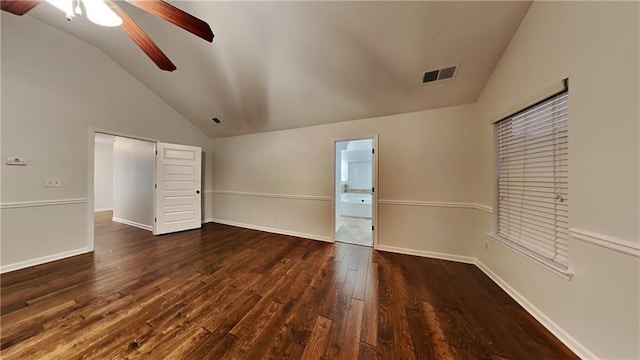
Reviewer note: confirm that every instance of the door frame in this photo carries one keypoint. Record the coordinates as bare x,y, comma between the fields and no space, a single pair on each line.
90,174
374,180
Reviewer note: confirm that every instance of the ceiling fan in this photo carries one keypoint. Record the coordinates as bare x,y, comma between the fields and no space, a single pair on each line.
109,13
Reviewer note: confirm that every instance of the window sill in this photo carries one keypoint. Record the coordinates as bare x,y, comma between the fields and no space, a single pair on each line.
557,269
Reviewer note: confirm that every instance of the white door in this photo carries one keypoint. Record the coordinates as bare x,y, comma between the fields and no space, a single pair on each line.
178,195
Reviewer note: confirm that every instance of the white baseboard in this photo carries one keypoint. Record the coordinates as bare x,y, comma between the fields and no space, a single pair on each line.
273,230
42,260
543,319
549,324
207,220
103,209
132,223
429,254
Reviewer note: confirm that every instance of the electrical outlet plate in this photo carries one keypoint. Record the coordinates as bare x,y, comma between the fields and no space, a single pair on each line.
14,160
52,182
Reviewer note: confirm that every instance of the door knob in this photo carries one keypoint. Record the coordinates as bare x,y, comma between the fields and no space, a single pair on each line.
197,191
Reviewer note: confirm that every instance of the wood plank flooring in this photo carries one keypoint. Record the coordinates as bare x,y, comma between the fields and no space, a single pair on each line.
229,293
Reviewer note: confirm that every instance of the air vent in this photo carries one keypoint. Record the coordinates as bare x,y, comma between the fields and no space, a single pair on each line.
447,73
430,76
216,120
442,74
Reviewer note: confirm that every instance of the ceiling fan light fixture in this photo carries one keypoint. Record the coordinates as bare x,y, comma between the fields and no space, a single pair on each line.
65,5
108,13
99,13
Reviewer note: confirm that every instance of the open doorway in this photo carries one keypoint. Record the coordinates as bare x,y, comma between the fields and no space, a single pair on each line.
124,178
144,183
354,191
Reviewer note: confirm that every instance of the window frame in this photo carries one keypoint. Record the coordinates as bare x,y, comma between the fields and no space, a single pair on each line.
559,268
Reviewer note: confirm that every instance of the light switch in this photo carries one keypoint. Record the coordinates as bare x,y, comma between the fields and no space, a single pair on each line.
52,182
14,160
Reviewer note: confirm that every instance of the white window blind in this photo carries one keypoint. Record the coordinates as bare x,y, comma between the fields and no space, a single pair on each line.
533,192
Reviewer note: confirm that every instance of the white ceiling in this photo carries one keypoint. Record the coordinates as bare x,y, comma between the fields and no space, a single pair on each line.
279,65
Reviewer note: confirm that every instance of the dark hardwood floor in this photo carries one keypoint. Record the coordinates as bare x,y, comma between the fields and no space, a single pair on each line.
226,292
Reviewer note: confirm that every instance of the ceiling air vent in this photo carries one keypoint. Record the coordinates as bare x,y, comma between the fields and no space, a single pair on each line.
216,120
442,74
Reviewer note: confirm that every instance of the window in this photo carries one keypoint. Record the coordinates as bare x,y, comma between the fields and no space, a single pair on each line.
533,183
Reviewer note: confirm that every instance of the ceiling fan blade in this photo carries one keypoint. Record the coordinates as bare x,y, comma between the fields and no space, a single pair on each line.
175,16
143,40
18,7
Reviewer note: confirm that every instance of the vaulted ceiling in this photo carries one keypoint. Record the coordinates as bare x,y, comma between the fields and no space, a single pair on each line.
279,65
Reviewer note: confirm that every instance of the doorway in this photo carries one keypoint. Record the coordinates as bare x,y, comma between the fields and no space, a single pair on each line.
161,183
354,191
124,178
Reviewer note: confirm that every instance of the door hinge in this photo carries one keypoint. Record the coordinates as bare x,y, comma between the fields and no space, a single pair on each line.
156,152
373,189
373,151
155,219
372,227
155,186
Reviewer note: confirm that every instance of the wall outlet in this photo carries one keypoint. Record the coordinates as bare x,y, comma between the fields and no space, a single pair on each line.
52,182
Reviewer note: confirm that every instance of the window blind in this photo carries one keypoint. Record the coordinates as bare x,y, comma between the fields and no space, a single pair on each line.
533,182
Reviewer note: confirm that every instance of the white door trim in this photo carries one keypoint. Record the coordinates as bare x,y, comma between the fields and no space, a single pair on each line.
374,197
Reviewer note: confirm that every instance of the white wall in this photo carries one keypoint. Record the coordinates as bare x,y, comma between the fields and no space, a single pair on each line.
282,181
54,89
356,173
133,182
357,161
595,45
339,147
103,173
